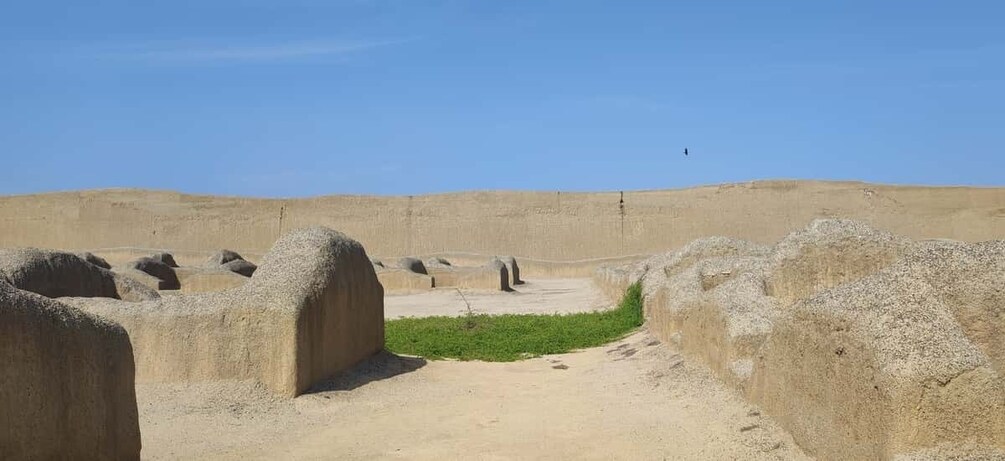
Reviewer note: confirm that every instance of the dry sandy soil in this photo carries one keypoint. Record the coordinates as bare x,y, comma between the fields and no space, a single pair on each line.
536,296
632,399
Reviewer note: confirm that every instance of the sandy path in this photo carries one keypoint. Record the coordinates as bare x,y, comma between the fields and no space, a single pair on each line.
536,296
634,399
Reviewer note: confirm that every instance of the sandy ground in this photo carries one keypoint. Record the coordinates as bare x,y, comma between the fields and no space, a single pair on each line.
536,296
633,399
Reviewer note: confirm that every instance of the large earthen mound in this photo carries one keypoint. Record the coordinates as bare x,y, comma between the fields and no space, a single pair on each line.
57,274
881,364
861,343
827,253
970,281
613,279
67,382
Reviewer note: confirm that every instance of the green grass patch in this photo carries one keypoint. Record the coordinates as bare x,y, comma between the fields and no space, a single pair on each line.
505,338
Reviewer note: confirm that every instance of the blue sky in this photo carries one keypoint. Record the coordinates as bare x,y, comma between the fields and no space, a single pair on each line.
298,98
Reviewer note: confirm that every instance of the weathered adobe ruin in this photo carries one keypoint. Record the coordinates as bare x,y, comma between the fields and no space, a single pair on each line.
861,343
75,336
550,227
67,382
411,274
313,308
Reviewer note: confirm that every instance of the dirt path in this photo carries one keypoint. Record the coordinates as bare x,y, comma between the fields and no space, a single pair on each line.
536,296
634,399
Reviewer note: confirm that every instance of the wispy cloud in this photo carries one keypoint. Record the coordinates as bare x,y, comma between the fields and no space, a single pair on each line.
223,52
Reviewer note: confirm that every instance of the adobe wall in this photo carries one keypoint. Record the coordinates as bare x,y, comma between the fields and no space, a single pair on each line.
67,382
313,309
555,226
860,343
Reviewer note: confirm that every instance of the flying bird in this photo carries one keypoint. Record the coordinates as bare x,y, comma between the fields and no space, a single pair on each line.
685,152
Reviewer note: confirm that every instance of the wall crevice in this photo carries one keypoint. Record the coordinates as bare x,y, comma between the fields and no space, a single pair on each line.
621,212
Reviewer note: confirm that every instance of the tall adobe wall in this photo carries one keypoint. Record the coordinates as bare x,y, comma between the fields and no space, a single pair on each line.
555,226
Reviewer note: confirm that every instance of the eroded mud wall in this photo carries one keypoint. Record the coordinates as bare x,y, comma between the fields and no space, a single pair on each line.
546,225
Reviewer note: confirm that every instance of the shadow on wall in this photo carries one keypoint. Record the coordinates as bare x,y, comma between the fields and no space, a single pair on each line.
382,366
